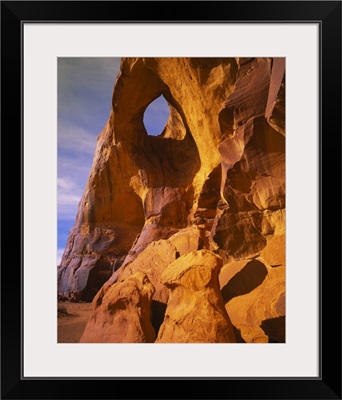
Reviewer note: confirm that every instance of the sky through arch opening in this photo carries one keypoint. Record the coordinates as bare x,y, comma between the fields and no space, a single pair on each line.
156,116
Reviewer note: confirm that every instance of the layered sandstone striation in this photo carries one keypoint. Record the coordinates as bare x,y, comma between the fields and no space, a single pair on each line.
211,186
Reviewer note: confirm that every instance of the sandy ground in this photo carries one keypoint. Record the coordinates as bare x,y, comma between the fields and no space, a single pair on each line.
72,324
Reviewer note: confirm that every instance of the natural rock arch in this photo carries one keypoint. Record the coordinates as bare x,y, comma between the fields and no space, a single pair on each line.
215,174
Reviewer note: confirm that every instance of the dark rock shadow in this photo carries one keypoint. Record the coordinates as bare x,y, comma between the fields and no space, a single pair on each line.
96,278
158,312
238,337
210,194
246,280
274,329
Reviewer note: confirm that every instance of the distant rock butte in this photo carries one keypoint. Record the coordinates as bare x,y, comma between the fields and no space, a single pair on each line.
160,215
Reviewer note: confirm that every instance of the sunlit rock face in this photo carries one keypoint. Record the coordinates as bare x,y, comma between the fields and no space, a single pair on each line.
122,313
212,182
195,312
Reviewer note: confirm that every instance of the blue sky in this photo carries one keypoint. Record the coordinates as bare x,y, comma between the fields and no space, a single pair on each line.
85,87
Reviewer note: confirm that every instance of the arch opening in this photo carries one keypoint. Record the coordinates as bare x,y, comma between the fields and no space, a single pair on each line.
156,116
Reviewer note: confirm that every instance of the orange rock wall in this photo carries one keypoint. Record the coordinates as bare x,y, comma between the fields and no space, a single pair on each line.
213,181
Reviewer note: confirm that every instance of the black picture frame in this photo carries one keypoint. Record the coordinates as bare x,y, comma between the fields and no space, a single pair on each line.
328,15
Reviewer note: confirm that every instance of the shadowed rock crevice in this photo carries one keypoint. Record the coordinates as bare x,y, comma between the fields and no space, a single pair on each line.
246,280
210,195
274,329
158,313
239,338
226,121
97,277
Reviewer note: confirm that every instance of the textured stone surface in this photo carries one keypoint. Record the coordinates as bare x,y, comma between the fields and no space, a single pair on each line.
254,294
275,109
144,185
195,311
152,261
213,179
122,313
274,252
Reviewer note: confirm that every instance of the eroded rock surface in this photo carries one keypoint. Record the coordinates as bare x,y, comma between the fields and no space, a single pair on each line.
254,294
195,311
122,313
143,188
213,179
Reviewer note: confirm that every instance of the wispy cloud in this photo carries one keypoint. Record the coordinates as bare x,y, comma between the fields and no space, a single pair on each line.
66,199
73,138
80,70
70,186
67,207
64,183
85,88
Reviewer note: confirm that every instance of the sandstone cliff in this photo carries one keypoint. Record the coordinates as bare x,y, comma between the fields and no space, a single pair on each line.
213,181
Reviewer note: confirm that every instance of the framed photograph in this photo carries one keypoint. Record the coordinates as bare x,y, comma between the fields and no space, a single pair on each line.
157,155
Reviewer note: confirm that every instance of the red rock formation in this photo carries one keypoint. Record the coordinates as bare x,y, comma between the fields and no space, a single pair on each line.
214,179
255,300
122,313
195,311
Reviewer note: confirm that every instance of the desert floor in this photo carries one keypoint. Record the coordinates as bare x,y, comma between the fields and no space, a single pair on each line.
72,319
